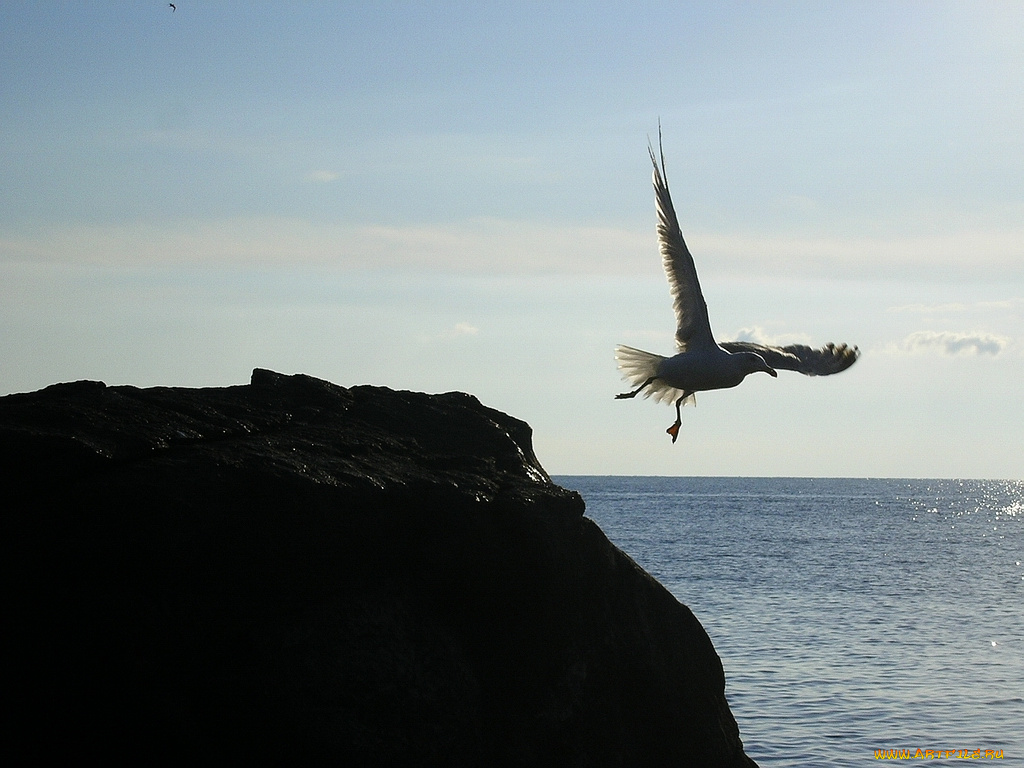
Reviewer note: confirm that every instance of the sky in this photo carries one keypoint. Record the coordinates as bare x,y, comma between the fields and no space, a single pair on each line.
457,196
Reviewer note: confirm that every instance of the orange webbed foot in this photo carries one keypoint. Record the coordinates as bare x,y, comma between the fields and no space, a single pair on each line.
674,430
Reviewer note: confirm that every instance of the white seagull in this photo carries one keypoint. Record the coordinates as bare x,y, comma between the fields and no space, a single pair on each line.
701,362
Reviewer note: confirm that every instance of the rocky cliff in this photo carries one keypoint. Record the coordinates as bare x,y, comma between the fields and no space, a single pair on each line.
292,572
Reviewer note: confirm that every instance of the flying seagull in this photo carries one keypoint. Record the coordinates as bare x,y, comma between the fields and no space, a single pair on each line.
173,7
702,363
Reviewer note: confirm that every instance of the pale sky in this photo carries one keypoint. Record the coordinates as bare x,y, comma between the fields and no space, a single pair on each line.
457,196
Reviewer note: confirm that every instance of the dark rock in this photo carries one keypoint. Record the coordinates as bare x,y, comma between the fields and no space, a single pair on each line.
292,572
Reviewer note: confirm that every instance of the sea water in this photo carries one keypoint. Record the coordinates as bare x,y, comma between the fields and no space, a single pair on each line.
853,617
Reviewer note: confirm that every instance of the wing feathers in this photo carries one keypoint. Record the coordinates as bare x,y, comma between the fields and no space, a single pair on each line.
832,358
692,326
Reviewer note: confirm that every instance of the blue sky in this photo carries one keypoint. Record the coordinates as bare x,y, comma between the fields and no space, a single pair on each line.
456,196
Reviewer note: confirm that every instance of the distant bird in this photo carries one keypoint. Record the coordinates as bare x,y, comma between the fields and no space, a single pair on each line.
173,7
701,363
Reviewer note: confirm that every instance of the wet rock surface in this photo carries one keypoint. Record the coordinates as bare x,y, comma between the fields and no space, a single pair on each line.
294,572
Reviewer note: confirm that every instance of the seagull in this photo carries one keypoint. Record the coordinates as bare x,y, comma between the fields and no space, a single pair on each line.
173,7
702,363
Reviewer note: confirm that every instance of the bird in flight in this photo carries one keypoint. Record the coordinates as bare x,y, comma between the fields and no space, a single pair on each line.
702,363
173,7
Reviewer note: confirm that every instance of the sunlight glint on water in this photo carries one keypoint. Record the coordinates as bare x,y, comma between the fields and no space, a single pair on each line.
850,615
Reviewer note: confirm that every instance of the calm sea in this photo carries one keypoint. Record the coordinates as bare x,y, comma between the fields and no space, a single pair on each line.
851,615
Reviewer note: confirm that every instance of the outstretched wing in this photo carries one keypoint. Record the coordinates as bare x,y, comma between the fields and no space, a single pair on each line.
832,358
693,330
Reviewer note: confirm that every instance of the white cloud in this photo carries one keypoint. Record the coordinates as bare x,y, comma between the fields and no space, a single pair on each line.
759,335
451,333
323,177
955,343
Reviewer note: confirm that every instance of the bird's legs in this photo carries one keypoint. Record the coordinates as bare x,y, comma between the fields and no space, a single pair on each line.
635,392
674,429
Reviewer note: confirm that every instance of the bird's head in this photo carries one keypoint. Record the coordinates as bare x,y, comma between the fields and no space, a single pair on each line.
753,362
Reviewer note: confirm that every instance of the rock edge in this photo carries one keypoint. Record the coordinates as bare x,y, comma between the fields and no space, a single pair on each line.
294,571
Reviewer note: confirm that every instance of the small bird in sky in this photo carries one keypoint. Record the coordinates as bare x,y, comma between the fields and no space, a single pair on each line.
173,7
701,363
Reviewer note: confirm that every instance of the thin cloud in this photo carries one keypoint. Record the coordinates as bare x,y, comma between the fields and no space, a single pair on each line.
940,257
929,309
506,246
484,245
956,343
958,307
322,177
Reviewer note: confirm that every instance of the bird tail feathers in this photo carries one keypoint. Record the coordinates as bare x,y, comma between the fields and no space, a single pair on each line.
638,366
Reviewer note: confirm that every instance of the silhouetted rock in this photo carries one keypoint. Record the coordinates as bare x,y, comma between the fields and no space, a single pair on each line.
292,572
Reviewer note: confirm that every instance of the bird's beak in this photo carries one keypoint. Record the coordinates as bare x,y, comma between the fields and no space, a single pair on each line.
772,372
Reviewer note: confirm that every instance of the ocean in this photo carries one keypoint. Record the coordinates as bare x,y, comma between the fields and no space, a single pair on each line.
857,619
